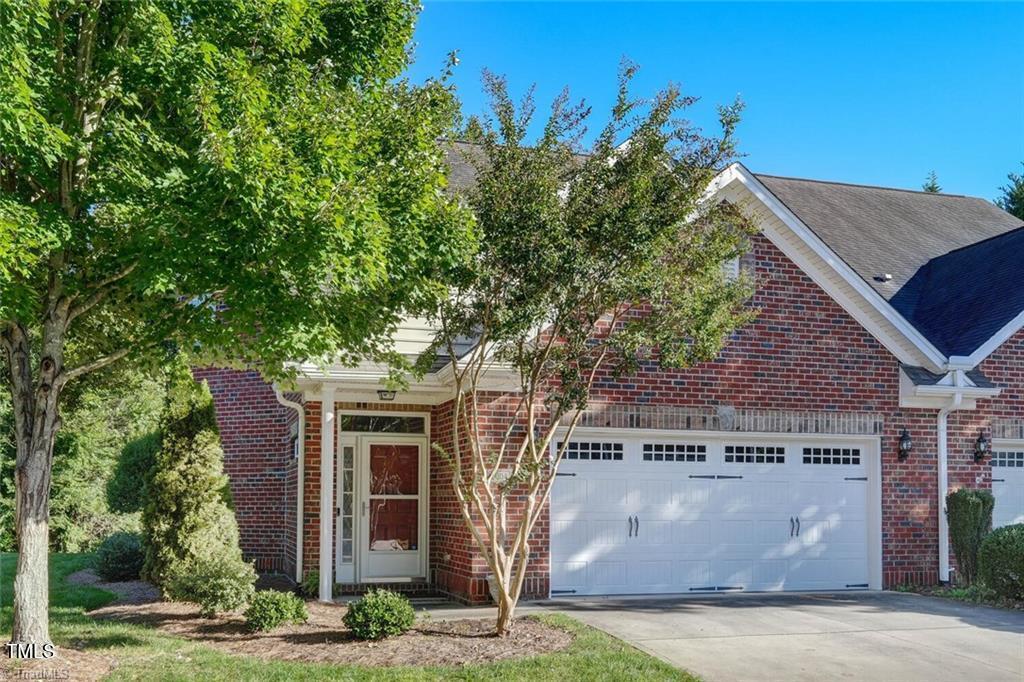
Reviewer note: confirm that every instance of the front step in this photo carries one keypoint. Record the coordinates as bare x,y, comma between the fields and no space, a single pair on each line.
416,591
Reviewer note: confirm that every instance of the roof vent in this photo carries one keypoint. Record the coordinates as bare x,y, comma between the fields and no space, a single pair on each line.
884,277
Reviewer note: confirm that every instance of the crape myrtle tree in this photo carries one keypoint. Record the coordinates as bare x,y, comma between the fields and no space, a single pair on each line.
590,265
251,180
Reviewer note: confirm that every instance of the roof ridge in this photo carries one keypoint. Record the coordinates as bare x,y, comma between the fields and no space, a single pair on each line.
857,184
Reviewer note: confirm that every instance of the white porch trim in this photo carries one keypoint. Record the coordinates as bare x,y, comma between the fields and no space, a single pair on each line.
327,426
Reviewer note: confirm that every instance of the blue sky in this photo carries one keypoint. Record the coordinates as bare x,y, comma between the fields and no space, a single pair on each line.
868,93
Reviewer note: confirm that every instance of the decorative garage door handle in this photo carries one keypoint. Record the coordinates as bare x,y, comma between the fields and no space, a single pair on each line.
636,531
792,526
629,520
798,526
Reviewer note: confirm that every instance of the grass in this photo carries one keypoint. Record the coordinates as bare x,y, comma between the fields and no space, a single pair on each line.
147,654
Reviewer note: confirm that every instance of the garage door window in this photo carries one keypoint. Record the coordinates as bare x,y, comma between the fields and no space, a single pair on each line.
754,454
831,455
675,452
591,450
1008,459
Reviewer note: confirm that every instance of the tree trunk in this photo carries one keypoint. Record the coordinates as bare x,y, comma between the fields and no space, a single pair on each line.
35,403
506,612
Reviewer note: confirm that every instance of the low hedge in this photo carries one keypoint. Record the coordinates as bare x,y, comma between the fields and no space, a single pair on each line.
119,557
379,614
1001,561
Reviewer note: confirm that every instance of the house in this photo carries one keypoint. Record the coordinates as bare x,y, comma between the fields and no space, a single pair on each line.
885,368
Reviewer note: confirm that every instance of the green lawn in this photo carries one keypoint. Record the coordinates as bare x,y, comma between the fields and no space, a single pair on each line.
147,654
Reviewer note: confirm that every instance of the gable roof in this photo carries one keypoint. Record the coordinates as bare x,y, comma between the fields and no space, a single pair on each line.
963,298
879,230
953,262
944,266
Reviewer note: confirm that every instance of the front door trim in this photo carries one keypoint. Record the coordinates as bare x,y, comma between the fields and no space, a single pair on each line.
354,571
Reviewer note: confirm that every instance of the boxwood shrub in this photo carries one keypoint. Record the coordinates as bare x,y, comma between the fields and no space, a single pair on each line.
217,584
120,557
379,614
269,609
1001,561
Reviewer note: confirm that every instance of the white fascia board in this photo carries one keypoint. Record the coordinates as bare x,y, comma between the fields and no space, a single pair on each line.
361,383
935,360
966,391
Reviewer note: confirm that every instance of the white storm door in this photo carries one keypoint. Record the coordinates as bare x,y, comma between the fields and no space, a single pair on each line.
1008,484
392,541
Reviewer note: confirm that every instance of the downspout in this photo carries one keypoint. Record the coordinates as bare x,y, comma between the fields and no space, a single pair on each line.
300,473
943,474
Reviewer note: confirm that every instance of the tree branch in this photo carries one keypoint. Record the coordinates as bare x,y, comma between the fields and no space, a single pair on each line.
101,292
98,363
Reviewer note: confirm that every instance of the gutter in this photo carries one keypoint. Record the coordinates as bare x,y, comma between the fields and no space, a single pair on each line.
300,474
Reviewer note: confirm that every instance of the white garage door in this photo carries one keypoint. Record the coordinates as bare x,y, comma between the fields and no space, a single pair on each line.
644,514
1008,484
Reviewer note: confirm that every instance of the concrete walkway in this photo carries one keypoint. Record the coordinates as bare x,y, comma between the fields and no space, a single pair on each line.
876,636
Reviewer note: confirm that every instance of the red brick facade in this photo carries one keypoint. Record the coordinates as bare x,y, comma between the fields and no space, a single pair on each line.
802,353
255,432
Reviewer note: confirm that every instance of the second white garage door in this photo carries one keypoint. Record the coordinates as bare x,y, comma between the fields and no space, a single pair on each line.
660,514
1008,484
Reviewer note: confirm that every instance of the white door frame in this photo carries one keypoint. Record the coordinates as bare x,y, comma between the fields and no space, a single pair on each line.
354,572
872,447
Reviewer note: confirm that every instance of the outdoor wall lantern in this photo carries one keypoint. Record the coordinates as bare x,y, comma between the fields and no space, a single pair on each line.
386,395
905,445
981,447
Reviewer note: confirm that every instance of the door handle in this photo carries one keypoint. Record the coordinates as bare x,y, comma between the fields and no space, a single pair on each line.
364,507
629,520
636,520
798,526
792,526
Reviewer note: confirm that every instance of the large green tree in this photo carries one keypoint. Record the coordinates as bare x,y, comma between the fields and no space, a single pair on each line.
251,179
593,263
1012,199
102,415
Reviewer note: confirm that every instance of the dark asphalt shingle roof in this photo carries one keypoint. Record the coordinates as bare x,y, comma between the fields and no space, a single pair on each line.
961,299
922,377
461,172
878,230
957,263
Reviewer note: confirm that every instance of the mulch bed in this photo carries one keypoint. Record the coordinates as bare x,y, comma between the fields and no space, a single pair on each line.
324,639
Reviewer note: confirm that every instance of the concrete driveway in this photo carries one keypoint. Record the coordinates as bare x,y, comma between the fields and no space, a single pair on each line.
876,636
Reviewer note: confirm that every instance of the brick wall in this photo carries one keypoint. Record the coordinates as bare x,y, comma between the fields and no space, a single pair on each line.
255,432
458,569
